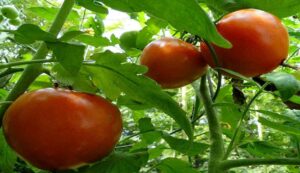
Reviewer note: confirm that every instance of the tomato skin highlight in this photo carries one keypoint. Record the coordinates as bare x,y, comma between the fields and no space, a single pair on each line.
173,63
260,42
57,129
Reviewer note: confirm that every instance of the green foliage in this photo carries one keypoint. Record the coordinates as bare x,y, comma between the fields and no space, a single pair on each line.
120,162
164,130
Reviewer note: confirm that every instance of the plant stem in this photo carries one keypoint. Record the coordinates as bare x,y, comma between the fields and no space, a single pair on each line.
239,125
33,71
18,63
227,164
216,146
217,64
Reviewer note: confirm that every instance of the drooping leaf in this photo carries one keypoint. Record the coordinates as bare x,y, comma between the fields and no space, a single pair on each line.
280,8
262,149
172,165
280,126
70,35
148,131
70,56
286,83
128,78
120,162
186,15
92,5
29,33
184,146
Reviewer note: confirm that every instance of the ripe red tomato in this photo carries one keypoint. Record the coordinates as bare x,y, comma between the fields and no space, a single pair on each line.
57,129
260,42
172,62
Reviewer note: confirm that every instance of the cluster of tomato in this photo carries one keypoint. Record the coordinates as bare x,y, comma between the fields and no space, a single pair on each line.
259,44
58,129
11,13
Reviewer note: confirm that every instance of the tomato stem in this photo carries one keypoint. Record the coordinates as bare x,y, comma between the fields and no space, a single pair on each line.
34,70
217,146
18,63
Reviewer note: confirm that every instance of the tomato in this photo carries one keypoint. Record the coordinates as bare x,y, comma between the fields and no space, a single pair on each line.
56,129
260,42
128,40
9,11
172,62
1,18
14,22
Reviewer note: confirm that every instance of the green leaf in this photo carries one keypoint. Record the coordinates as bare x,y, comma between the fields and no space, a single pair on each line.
128,78
149,134
184,15
93,41
93,6
120,162
121,5
70,35
28,34
262,149
186,147
286,117
49,14
172,165
79,82
70,56
279,126
286,83
280,8
8,157
132,104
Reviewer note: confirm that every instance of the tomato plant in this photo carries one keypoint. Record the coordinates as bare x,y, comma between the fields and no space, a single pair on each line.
147,60
173,63
58,129
259,42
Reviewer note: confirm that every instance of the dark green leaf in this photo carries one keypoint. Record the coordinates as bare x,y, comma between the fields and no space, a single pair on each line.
184,15
91,5
279,116
121,5
93,41
281,8
120,163
286,83
70,35
132,104
172,165
184,146
128,78
148,131
28,34
8,157
70,56
262,149
280,126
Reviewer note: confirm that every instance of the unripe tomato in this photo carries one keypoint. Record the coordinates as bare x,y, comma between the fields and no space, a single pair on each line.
14,22
172,62
260,42
1,18
9,11
57,129
128,40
